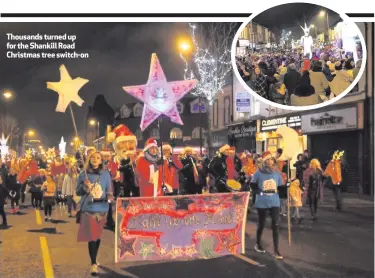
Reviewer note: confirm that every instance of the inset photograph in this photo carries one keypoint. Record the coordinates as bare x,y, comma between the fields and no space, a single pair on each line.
299,55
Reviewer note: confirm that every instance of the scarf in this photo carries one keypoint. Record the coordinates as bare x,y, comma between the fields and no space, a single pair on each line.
151,158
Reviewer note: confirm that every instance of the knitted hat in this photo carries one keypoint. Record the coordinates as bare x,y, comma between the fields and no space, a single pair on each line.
121,133
151,142
266,155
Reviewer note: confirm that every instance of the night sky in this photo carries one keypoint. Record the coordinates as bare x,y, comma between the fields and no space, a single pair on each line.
291,16
119,56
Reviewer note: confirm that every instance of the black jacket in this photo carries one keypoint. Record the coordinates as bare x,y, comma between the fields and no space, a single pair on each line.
3,194
291,80
299,170
4,174
13,186
127,170
188,170
218,167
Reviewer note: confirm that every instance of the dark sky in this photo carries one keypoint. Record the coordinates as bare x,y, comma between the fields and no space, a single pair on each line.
119,56
291,16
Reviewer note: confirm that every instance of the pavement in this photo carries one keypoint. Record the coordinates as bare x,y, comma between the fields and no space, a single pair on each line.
336,245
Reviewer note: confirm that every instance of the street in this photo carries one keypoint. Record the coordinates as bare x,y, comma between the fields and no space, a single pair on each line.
337,245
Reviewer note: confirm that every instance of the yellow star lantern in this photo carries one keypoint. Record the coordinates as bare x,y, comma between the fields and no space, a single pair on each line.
67,89
29,154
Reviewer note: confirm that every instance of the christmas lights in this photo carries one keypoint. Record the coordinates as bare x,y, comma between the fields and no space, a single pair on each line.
62,147
211,60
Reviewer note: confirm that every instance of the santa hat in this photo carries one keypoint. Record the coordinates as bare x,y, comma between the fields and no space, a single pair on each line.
121,133
106,152
266,155
224,148
151,142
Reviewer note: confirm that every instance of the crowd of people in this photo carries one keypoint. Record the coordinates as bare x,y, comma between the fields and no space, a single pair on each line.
289,78
93,180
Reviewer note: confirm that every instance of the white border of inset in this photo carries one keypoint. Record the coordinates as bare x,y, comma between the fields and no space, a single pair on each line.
345,18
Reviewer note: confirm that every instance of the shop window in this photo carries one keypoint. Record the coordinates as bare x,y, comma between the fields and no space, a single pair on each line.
195,133
180,107
125,112
154,133
226,110
176,133
137,110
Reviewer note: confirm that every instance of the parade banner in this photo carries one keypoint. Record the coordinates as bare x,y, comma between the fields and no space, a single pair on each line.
180,227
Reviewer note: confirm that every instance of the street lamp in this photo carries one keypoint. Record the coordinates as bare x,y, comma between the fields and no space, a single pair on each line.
184,46
94,123
29,133
8,95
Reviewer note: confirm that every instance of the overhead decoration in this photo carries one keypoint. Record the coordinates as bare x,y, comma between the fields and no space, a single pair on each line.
160,96
67,88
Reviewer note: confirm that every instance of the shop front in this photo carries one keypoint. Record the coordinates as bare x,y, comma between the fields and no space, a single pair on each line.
242,136
338,129
268,140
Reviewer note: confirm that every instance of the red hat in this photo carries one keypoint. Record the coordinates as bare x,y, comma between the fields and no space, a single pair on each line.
121,133
266,155
151,142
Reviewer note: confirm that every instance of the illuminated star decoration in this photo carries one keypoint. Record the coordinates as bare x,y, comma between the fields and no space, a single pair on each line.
3,146
127,246
190,250
176,251
229,241
146,249
67,89
62,147
159,96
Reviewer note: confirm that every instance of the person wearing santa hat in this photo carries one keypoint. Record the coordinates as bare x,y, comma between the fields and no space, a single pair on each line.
107,158
147,170
264,183
218,168
171,166
125,145
89,151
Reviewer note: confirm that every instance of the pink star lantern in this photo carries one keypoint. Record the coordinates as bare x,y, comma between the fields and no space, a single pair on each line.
159,95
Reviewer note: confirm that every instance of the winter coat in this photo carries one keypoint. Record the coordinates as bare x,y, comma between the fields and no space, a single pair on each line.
291,80
319,82
13,186
308,178
148,177
218,167
328,74
36,184
127,173
171,168
295,194
299,170
49,189
3,194
260,86
340,83
3,174
276,96
69,185
305,95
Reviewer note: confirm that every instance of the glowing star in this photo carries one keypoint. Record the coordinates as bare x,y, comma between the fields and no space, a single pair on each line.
3,146
229,241
176,251
132,209
29,154
62,147
67,89
51,154
146,249
190,250
127,246
162,251
159,96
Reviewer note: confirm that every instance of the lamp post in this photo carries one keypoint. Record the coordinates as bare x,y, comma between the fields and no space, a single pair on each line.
94,123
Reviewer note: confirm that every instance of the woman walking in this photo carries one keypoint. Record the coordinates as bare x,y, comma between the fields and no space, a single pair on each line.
313,180
49,191
69,188
265,182
94,185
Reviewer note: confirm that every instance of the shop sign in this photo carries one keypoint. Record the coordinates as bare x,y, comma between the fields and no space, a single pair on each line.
272,124
243,130
243,43
341,119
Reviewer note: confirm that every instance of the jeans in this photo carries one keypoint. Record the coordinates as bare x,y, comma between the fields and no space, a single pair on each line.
262,214
71,204
296,213
283,206
14,203
337,195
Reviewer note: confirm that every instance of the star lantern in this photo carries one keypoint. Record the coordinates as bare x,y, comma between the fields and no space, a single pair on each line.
67,89
62,147
3,146
159,96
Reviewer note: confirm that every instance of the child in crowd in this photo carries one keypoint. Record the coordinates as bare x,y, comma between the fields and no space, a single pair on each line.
49,190
295,199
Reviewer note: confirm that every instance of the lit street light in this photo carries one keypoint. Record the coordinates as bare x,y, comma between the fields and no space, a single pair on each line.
7,95
184,46
31,133
322,13
94,123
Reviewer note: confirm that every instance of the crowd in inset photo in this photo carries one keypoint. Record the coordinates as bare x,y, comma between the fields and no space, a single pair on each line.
291,79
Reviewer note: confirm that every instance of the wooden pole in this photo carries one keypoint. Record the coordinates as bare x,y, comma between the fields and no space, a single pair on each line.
73,119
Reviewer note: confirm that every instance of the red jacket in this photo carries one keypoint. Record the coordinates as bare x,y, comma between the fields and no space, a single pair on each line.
113,169
232,173
57,168
143,173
